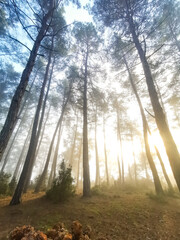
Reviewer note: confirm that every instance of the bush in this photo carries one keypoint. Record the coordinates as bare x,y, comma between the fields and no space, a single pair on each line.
12,186
4,183
62,187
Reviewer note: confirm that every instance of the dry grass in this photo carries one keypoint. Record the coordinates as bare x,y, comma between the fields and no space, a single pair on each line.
118,216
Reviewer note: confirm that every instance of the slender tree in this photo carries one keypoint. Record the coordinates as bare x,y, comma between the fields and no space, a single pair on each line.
87,41
133,16
19,93
66,96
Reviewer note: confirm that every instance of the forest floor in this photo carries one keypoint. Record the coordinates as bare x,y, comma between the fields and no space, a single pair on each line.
114,215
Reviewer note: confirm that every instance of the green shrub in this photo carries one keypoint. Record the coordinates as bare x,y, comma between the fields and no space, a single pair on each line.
96,191
12,186
4,183
62,187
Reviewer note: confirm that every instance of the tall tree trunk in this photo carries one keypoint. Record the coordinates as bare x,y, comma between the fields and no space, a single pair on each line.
26,172
135,165
120,141
86,174
44,173
144,160
170,146
53,170
157,183
42,132
10,148
40,117
50,180
20,160
6,156
97,181
79,160
129,172
164,170
59,124
105,152
74,142
119,168
11,119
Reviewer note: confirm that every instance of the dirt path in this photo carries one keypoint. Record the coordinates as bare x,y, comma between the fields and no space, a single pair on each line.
116,217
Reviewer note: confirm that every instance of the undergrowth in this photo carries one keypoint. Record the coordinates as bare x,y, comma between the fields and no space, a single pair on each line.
62,187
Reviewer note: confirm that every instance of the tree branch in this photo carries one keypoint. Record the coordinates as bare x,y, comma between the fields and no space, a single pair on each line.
149,113
19,42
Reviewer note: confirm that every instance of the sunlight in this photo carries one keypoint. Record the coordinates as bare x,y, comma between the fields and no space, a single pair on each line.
155,139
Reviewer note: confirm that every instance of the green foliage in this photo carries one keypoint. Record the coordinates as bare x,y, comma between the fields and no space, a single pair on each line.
86,36
96,191
62,187
100,190
4,183
12,186
36,182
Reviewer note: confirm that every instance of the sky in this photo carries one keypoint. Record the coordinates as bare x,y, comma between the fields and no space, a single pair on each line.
72,13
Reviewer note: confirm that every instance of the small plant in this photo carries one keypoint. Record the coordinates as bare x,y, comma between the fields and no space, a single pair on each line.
96,191
4,183
62,187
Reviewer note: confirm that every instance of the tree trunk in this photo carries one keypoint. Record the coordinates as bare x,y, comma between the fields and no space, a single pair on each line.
79,160
157,183
105,152
50,180
19,127
97,181
44,173
119,168
59,124
164,171
170,146
11,119
74,143
135,165
86,175
120,141
54,164
10,148
144,160
40,118
129,172
20,160
26,172
42,133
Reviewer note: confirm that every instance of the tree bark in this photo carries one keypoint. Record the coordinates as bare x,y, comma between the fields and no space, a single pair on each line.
59,124
11,119
26,172
86,174
20,125
135,165
157,183
170,146
79,160
42,105
42,133
97,181
105,153
120,141
20,160
74,143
